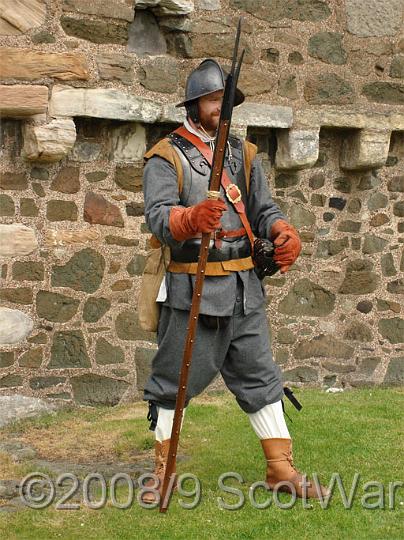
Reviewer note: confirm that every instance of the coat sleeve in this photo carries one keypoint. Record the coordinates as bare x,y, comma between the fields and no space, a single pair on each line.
262,211
160,189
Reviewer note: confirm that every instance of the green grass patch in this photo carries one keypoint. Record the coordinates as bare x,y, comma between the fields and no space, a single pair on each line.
359,431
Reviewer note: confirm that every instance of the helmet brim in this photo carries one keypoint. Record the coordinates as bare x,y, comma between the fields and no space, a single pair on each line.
239,97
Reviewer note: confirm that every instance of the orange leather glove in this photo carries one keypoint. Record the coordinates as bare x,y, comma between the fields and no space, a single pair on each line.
287,244
204,217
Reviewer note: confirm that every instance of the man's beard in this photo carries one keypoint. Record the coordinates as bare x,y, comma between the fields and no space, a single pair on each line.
211,124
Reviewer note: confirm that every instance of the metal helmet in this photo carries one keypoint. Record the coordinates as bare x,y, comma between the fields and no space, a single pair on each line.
208,77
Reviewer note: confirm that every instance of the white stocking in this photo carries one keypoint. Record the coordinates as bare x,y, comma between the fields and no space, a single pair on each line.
269,422
165,423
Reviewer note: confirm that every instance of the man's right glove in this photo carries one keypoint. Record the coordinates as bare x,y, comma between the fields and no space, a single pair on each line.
204,217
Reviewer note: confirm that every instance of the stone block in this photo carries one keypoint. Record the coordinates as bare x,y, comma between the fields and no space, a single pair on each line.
327,89
209,5
16,295
64,238
28,271
28,208
384,92
105,353
95,308
85,151
17,18
167,7
170,113
55,307
113,9
32,358
263,115
303,374
129,178
395,372
7,207
97,390
98,210
83,272
365,149
143,362
308,299
275,10
30,64
69,351
297,149
359,278
145,37
67,180
96,30
6,359
49,142
115,67
16,240
19,101
13,181
160,75
128,143
367,18
15,326
103,103
392,329
38,383
61,211
327,46
11,381
127,327
323,346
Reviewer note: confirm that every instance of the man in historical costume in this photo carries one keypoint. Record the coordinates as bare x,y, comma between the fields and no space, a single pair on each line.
232,332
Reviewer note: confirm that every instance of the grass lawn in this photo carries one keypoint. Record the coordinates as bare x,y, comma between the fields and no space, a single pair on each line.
358,431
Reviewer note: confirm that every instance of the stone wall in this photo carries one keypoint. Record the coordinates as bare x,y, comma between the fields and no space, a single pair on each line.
86,87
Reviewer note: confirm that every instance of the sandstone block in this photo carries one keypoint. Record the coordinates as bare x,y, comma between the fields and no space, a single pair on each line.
50,142
128,142
17,18
16,240
263,115
15,326
365,149
366,18
102,103
297,149
23,100
29,64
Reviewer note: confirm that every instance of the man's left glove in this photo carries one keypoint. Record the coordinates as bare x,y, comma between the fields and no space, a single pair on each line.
287,244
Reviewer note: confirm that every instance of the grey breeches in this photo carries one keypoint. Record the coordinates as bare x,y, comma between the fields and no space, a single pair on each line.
241,352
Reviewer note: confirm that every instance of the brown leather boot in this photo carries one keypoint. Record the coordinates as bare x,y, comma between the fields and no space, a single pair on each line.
161,455
280,468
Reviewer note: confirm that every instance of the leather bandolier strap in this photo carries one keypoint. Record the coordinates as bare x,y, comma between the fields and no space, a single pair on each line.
165,150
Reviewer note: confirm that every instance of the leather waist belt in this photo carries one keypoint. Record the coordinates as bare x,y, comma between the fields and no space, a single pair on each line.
240,248
223,268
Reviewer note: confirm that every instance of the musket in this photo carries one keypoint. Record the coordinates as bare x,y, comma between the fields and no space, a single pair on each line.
222,136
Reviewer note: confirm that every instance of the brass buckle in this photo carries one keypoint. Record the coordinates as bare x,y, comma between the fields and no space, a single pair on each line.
238,198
